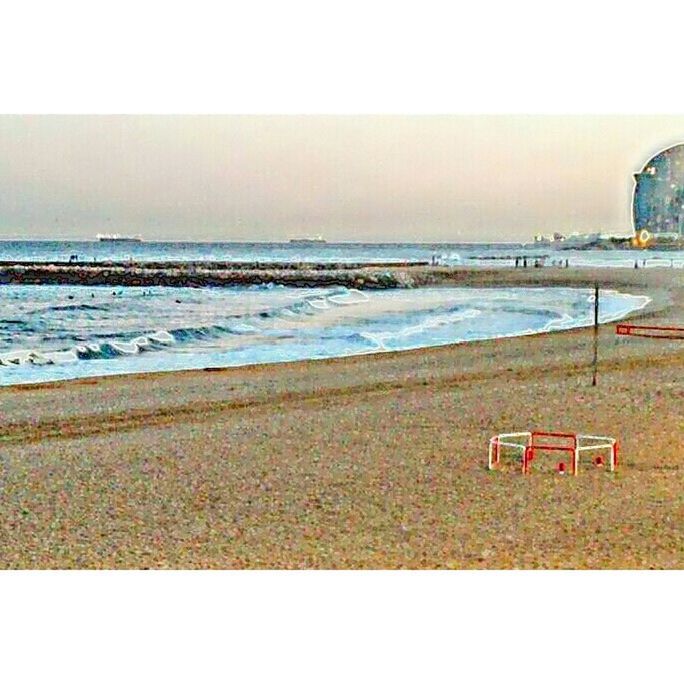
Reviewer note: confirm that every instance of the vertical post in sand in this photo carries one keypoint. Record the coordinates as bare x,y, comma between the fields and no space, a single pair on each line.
596,331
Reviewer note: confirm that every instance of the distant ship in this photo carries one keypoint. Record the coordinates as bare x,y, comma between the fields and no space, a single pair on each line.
119,238
315,240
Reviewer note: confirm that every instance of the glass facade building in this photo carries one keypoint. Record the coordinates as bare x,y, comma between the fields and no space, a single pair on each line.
659,194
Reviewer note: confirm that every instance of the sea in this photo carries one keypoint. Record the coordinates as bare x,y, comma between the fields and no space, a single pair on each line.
50,333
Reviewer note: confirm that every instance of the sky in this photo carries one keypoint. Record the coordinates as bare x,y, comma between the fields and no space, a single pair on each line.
348,178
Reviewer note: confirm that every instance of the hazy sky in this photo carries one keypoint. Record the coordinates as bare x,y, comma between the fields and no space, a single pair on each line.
373,178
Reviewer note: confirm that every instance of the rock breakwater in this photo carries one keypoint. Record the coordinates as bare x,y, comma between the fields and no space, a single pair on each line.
208,274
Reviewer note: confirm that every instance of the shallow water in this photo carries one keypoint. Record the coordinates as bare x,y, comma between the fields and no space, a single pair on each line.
59,332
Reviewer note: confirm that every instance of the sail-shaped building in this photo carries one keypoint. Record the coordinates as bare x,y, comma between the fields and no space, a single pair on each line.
658,205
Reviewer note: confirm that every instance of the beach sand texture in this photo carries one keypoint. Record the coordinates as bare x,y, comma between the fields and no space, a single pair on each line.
376,461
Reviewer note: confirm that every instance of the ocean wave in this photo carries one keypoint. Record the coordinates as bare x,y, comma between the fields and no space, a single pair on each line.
77,307
383,339
69,308
109,345
452,258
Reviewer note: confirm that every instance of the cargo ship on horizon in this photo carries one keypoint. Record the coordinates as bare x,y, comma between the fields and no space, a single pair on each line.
315,240
115,237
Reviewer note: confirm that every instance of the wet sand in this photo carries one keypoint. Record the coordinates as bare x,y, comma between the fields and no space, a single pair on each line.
376,461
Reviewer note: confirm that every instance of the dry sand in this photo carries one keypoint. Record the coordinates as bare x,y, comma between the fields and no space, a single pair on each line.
368,462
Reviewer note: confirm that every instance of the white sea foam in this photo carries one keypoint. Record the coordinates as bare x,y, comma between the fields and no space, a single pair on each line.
349,298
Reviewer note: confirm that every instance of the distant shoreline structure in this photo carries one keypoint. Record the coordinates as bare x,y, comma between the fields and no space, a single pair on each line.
602,241
115,237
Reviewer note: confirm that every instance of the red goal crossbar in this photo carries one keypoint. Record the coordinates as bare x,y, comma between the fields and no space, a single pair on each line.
553,445
655,331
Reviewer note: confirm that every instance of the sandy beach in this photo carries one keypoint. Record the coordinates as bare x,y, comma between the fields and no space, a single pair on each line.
376,461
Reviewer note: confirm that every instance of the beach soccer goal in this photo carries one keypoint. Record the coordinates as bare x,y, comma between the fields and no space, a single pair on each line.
524,447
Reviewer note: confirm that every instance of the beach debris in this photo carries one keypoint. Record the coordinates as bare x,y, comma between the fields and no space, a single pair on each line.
526,445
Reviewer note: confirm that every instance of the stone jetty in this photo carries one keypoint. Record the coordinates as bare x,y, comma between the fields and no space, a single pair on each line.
211,274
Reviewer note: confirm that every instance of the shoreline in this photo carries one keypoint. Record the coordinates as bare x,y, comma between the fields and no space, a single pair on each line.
372,461
660,301
446,278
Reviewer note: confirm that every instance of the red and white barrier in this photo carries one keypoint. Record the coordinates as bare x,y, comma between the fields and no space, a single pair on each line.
659,332
527,444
